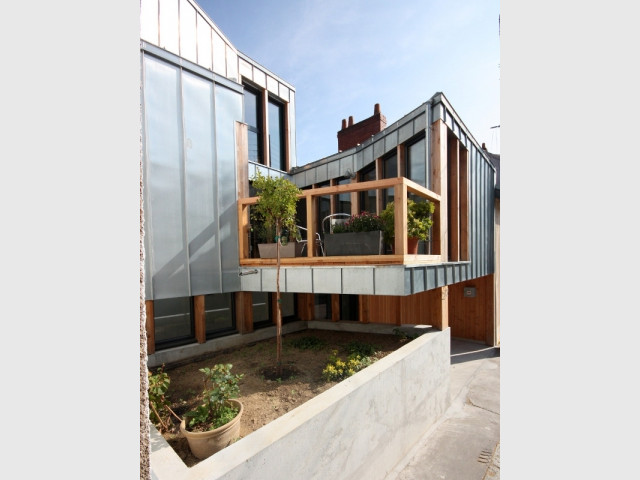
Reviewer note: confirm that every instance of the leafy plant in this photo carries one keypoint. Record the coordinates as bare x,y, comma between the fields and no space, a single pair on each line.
362,349
308,343
220,385
419,220
363,222
159,405
276,206
404,335
338,369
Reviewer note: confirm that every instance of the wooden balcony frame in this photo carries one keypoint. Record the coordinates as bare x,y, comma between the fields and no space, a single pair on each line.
402,188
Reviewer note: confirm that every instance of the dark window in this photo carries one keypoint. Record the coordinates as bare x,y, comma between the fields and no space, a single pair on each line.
368,198
389,170
261,309
322,306
344,199
324,207
277,150
219,314
417,170
173,322
349,307
253,119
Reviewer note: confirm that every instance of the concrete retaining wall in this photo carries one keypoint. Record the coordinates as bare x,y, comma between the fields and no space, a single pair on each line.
360,428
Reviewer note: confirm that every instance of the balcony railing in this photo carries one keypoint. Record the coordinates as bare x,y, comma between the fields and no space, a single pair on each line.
402,188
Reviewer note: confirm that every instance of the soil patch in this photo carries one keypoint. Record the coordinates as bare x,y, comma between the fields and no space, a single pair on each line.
266,396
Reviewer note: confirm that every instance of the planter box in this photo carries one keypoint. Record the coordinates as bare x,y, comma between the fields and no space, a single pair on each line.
359,428
291,249
356,243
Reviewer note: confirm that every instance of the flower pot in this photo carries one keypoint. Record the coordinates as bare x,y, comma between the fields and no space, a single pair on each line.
354,243
205,444
291,249
412,246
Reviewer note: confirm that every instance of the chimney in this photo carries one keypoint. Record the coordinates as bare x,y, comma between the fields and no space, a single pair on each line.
355,133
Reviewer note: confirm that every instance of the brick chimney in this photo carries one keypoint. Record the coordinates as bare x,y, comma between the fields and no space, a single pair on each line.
356,133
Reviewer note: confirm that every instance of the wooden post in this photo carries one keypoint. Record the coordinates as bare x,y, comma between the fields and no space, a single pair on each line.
439,186
312,208
400,218
464,203
305,306
199,318
242,186
440,317
453,166
244,312
335,307
363,308
151,327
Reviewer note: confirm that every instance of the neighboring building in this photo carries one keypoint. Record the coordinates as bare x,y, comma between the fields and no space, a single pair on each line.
212,117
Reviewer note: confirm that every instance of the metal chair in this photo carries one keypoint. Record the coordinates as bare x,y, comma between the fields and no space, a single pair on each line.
304,240
332,220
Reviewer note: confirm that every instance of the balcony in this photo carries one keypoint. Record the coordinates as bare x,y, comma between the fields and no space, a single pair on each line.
402,190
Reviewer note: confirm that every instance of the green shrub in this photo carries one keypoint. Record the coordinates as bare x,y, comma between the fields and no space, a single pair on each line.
308,343
219,386
364,222
159,405
338,369
362,349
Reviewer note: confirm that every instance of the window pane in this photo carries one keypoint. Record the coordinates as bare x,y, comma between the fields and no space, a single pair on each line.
254,148
389,170
344,199
172,318
276,136
250,108
218,312
261,308
368,198
417,163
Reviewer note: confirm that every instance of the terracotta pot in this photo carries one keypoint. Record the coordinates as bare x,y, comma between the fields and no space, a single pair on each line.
205,444
412,246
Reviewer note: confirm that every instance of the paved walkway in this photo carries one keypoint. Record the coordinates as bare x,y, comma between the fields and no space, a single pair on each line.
465,443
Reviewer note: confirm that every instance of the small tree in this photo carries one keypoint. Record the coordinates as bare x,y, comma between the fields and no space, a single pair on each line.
277,207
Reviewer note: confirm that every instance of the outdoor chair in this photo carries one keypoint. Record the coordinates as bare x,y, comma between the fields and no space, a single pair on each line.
332,220
304,240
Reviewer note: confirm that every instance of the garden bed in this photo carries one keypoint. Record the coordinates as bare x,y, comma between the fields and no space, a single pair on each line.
306,353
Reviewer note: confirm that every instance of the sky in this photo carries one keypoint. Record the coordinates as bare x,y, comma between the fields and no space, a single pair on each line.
343,57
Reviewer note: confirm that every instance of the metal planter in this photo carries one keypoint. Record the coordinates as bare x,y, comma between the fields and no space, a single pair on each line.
354,243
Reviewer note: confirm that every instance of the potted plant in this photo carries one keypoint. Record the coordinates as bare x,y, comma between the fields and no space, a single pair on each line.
361,234
419,221
276,206
265,236
215,423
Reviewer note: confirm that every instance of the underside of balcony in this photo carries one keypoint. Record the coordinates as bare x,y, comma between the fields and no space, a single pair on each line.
350,279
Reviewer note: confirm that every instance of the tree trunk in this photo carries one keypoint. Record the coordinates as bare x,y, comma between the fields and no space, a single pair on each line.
278,311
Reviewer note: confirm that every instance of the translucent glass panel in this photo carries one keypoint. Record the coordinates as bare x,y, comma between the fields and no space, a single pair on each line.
149,21
172,319
218,311
169,28
204,43
219,55
417,163
164,179
188,31
232,64
277,151
228,112
202,227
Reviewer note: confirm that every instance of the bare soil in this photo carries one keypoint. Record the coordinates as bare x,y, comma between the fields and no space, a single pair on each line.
264,395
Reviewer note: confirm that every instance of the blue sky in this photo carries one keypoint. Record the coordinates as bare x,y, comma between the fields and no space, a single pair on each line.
343,57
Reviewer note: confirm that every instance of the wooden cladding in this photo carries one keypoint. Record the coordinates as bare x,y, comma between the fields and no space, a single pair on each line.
424,308
458,199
